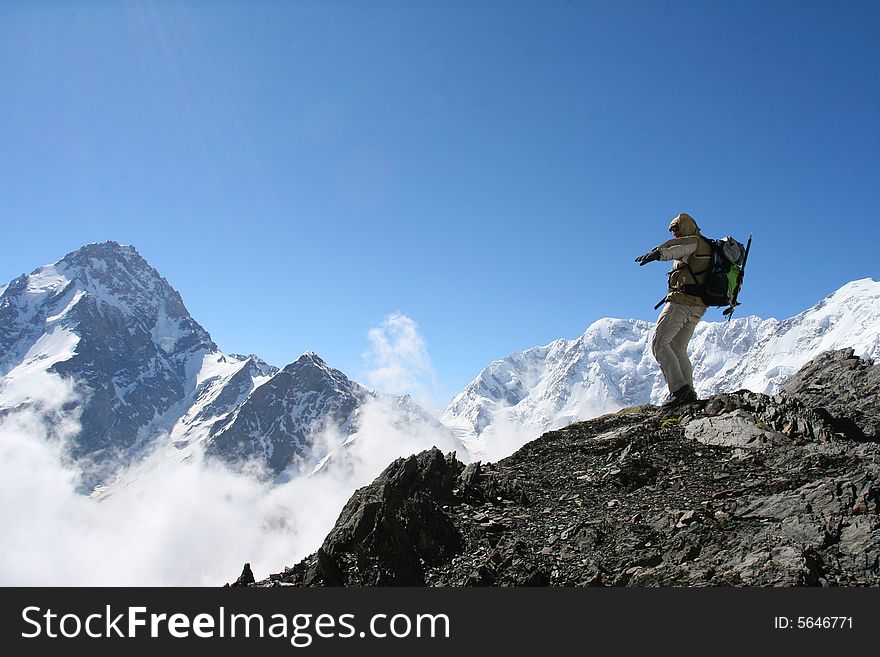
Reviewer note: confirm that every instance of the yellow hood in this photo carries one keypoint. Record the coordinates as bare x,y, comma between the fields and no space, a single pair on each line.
685,224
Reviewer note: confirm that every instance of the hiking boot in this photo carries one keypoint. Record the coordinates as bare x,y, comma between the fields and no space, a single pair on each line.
684,395
688,395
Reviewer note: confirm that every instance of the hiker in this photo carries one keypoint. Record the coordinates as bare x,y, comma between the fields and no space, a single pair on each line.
682,312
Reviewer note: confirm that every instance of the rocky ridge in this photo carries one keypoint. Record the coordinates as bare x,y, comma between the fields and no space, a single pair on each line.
742,489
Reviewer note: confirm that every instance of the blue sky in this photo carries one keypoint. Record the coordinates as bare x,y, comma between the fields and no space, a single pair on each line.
301,170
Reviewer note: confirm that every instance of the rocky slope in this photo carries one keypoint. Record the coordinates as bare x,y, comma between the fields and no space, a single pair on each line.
742,489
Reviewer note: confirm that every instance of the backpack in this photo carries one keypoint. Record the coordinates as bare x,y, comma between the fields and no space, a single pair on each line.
724,274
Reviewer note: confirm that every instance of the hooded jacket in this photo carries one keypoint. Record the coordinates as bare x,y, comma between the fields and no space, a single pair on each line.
692,255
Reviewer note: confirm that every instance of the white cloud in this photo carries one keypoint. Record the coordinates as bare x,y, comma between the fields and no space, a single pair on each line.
399,362
164,523
382,436
502,438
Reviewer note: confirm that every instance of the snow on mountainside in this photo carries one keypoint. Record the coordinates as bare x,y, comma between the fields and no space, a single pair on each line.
286,419
611,366
139,372
278,421
105,322
221,385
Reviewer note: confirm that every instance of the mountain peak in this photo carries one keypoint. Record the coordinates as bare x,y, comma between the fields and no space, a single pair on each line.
309,359
115,278
310,372
104,318
857,288
104,249
99,256
258,363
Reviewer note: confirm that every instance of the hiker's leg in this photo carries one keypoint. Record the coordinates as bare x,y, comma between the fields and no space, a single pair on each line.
669,324
680,341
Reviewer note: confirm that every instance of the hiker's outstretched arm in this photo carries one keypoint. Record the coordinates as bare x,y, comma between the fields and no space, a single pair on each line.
677,249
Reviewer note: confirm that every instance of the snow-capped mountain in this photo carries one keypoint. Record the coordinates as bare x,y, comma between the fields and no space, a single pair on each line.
105,320
279,421
105,328
610,366
310,414
223,383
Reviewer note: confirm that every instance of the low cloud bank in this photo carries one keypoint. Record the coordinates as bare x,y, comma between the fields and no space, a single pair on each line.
165,521
169,520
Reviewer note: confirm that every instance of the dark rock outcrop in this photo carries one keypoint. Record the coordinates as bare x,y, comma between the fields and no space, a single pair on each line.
245,579
399,527
845,387
740,490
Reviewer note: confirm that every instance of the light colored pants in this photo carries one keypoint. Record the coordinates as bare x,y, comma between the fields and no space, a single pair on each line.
675,326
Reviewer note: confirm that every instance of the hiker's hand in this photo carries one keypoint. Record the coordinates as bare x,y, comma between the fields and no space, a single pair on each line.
648,257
